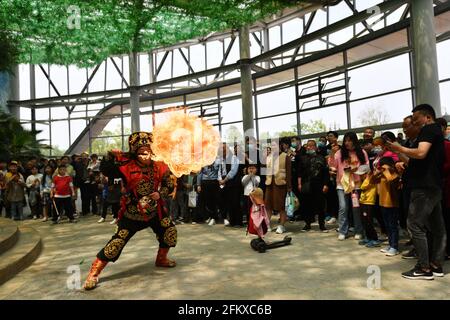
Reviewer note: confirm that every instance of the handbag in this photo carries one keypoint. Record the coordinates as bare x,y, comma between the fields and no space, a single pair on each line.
290,204
192,199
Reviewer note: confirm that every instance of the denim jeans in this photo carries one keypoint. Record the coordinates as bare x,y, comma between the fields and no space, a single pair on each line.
16,208
425,214
390,217
344,208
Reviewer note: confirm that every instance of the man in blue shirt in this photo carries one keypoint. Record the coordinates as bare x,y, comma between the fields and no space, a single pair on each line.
230,182
209,190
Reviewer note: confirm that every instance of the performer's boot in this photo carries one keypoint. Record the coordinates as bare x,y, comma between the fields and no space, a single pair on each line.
92,279
162,260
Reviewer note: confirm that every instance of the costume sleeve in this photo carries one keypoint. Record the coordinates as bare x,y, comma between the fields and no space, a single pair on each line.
167,185
109,167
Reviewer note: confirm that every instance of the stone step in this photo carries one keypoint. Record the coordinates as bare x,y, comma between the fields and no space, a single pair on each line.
21,255
9,234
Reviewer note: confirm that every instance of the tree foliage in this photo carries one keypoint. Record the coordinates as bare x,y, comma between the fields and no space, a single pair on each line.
16,143
84,33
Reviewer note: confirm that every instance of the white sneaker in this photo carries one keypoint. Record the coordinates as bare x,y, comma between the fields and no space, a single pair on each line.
212,222
226,222
332,221
392,252
45,219
341,237
281,229
385,250
358,237
208,221
101,220
113,222
34,217
193,223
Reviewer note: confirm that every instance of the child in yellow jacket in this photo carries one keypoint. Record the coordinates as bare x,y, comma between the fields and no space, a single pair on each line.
368,202
388,182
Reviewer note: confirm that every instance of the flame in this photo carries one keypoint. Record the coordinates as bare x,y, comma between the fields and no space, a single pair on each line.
186,143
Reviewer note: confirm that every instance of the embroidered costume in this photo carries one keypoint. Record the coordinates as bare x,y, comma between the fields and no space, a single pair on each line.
139,210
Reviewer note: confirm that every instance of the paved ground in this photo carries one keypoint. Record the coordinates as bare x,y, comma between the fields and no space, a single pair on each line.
215,263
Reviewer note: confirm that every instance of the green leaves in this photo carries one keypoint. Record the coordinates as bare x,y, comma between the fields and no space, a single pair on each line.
16,142
85,33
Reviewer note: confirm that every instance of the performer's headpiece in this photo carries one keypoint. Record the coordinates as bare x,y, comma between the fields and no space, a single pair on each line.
138,140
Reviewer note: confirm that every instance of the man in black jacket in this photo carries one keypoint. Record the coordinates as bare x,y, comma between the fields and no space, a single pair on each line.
313,180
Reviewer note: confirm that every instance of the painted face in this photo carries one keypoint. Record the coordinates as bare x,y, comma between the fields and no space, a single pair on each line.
144,155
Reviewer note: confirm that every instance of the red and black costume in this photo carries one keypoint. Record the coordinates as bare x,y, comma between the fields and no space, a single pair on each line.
138,210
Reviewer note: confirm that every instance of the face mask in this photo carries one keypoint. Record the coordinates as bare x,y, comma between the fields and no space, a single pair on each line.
447,137
321,144
294,144
310,152
377,150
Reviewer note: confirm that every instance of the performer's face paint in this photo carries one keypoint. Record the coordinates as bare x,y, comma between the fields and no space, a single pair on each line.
144,155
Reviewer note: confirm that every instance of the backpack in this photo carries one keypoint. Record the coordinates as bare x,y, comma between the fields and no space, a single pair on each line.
252,229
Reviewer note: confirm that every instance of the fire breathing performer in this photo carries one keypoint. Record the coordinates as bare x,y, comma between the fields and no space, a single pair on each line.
146,182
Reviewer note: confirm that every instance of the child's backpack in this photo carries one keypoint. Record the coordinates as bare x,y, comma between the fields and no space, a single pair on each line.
252,229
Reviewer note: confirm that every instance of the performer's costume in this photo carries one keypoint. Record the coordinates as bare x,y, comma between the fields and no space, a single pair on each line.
138,211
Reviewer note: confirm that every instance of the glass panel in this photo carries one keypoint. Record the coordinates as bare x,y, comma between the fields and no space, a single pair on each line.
274,37
282,126
339,12
445,97
41,82
381,110
58,75
146,123
276,102
198,57
25,113
215,53
101,146
144,69
231,111
232,133
319,21
380,81
323,120
76,127
341,36
24,81
98,81
114,80
292,30
59,113
255,48
364,4
443,52
234,53
77,79
60,134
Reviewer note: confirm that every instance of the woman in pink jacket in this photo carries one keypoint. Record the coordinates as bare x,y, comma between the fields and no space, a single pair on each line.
346,162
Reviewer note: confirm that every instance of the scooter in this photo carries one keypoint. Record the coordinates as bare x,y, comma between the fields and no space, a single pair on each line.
261,246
